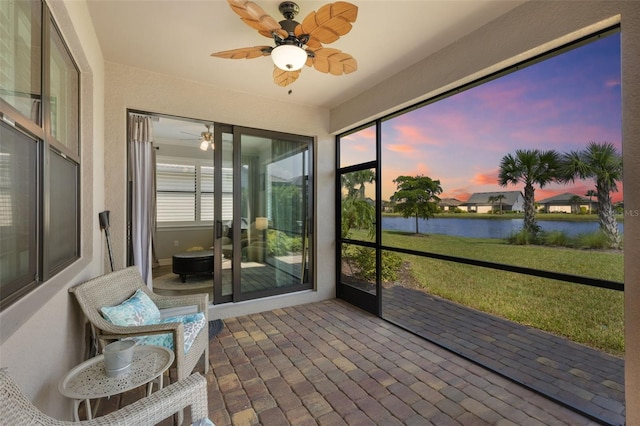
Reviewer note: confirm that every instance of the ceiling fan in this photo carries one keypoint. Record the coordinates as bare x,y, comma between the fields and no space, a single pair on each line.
206,138
297,44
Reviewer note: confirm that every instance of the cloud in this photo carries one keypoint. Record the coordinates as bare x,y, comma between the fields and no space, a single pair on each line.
614,82
405,149
422,169
461,194
490,178
367,134
415,135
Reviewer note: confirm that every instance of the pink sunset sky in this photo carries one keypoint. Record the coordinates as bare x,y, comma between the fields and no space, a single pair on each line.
561,103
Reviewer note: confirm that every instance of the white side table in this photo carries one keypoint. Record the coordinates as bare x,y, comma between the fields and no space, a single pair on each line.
88,380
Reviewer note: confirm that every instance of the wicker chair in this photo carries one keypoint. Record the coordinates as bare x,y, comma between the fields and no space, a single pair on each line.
114,288
16,409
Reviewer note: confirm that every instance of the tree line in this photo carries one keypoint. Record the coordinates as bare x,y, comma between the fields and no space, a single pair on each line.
417,196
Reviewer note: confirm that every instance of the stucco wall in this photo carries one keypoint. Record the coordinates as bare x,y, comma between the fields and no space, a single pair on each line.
42,334
528,30
142,90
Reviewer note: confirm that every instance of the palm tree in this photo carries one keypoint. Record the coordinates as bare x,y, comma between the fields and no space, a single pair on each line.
357,211
529,166
575,201
355,182
590,193
492,199
499,199
603,163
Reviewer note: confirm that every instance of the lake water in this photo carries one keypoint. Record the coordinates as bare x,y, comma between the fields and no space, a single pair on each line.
484,228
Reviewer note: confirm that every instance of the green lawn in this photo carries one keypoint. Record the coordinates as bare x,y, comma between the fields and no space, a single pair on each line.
584,314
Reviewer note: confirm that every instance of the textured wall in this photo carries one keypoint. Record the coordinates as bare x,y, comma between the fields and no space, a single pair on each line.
522,33
43,333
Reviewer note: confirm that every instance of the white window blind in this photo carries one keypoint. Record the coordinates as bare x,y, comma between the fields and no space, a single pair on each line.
206,193
176,192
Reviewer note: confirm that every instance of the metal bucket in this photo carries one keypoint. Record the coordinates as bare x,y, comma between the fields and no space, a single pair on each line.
117,357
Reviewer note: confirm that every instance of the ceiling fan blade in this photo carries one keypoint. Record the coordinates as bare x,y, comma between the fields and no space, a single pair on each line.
329,23
254,16
244,52
333,61
284,78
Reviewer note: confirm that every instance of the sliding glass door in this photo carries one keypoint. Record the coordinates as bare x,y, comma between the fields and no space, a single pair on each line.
262,234
232,211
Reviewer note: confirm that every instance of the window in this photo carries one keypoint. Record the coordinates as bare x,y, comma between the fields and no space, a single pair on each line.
445,204
18,195
184,192
39,150
20,53
460,176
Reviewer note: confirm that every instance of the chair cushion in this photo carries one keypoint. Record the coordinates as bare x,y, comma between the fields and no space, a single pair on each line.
139,309
193,323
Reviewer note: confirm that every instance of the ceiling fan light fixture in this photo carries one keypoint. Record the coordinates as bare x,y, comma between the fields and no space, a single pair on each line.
289,57
204,145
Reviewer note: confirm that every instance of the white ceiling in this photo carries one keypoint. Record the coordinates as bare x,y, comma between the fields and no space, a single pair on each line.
177,38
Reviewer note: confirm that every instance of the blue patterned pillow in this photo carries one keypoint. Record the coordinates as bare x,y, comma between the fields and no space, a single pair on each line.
139,309
193,323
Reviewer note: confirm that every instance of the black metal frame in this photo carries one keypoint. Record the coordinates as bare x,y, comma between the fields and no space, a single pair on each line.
356,298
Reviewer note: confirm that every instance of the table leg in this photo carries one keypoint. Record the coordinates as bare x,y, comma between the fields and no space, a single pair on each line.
87,403
150,385
76,409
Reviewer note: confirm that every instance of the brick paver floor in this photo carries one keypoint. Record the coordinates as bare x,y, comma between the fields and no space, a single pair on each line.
580,377
330,363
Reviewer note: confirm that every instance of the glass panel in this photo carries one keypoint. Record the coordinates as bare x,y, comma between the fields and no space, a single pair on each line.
18,208
63,216
481,213
227,213
588,315
20,51
359,267
358,147
206,193
358,213
274,203
63,100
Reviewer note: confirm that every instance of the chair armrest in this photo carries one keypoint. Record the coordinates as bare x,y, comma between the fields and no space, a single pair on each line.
191,391
200,300
175,328
119,331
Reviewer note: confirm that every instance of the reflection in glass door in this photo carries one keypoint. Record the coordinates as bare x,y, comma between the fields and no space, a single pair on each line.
274,210
240,196
223,244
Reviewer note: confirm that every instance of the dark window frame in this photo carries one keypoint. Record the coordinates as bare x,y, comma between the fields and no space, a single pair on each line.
38,130
376,308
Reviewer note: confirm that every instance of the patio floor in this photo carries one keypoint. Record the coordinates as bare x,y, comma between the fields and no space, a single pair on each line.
330,363
575,375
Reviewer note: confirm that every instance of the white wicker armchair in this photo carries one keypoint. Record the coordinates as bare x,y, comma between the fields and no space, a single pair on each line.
114,288
191,392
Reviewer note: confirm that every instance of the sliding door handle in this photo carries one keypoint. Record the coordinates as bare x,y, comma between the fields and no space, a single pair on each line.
218,229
